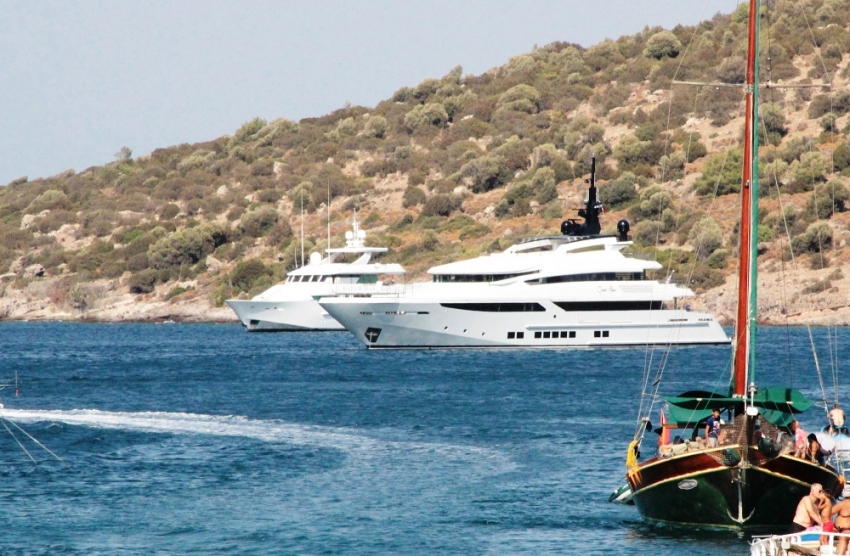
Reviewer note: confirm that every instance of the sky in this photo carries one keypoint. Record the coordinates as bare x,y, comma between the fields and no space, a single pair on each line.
80,80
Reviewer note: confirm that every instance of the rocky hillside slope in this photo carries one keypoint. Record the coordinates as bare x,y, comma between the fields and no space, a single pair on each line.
462,165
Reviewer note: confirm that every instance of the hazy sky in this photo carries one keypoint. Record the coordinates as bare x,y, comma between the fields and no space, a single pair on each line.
79,80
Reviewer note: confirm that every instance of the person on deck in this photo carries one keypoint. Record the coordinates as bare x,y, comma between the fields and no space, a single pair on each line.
836,419
825,509
841,510
712,428
814,451
807,513
800,439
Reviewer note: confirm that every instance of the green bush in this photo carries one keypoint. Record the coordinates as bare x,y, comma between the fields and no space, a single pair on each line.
422,116
520,98
441,204
142,282
647,233
806,172
722,173
247,273
773,124
486,173
259,222
620,192
543,183
663,44
169,211
413,196
187,246
816,238
249,129
377,126
828,199
705,237
49,200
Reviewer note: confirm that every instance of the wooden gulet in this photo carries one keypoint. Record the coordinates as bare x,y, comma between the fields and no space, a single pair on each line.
744,483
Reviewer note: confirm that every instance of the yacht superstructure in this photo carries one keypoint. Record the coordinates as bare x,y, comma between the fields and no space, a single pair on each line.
572,290
559,291
291,305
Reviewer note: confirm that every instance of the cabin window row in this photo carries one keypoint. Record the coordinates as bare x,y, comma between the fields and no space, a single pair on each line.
545,334
348,278
590,277
476,277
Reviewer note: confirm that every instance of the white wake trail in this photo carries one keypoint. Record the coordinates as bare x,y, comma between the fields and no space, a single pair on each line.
353,442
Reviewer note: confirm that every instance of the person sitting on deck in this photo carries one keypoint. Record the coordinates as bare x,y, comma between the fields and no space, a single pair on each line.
841,511
814,451
836,420
807,514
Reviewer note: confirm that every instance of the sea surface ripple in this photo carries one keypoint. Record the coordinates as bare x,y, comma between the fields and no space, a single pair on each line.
204,439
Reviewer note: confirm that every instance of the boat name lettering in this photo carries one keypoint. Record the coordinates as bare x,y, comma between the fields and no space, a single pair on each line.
688,484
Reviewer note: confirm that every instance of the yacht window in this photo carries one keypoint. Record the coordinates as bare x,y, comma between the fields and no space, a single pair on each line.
547,334
476,277
316,279
511,335
520,335
609,305
496,307
538,334
590,277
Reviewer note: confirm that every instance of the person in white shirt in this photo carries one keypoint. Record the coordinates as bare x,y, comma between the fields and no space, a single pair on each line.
836,419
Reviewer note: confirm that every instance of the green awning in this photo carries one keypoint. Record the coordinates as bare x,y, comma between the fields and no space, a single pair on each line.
776,405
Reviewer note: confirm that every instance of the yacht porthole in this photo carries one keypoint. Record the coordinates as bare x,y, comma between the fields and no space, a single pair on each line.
464,330
445,328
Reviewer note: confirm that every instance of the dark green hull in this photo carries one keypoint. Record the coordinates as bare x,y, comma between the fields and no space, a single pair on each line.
697,488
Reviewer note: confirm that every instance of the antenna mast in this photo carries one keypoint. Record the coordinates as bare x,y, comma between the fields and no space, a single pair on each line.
302,227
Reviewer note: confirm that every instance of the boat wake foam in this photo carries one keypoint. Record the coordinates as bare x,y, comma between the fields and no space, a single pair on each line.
353,443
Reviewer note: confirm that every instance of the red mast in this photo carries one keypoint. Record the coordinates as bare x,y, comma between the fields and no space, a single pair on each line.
742,328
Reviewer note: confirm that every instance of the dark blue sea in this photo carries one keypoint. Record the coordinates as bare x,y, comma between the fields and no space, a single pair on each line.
205,439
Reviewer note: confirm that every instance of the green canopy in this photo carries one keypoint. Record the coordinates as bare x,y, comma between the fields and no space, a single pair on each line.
777,405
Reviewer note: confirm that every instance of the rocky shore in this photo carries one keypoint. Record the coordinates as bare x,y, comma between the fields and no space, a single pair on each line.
817,297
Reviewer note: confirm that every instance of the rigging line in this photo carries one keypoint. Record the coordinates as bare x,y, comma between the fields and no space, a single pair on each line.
710,210
826,78
670,103
783,281
817,367
18,441
31,437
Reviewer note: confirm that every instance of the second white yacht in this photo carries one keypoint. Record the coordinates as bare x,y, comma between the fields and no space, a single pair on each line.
291,305
573,290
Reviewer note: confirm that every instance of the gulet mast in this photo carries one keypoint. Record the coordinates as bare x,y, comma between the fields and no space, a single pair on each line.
745,325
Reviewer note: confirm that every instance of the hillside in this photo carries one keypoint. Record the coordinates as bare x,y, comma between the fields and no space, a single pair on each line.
462,165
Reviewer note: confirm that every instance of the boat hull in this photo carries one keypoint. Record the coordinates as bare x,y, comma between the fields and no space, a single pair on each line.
382,323
697,488
283,316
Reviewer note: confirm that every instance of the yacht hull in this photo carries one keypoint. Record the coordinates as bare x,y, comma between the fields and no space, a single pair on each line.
393,324
283,316
697,488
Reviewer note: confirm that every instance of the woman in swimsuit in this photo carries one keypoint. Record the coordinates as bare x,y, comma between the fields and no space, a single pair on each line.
842,523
